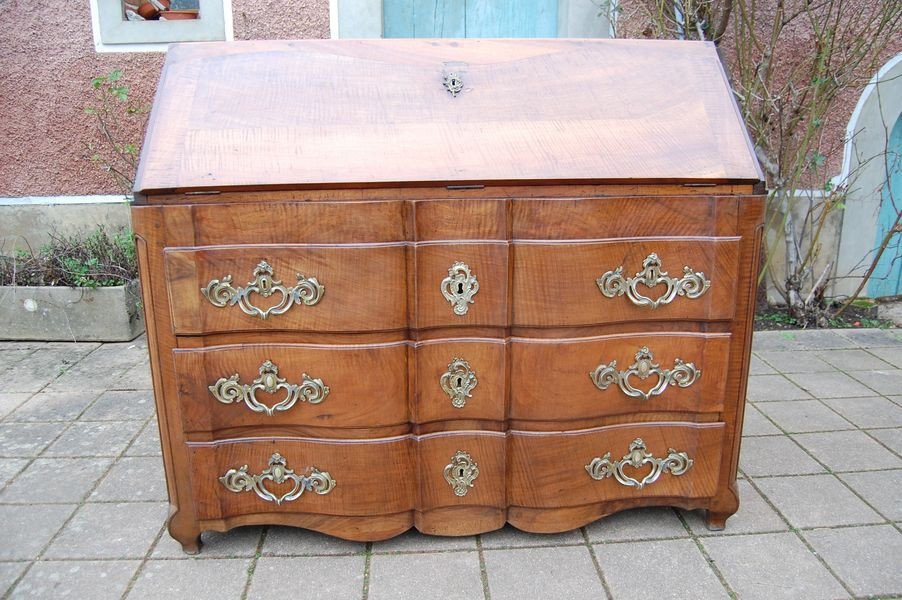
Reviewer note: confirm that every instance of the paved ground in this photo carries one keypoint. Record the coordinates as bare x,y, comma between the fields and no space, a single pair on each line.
82,500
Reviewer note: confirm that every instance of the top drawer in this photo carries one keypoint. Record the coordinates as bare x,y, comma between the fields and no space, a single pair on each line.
642,279
290,287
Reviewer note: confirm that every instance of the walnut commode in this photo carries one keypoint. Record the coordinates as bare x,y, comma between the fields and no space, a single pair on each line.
446,284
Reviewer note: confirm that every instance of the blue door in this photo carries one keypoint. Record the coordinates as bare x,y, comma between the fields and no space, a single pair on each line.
469,18
887,277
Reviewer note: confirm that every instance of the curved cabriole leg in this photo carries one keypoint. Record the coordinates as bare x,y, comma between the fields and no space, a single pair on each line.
186,534
717,521
190,545
722,507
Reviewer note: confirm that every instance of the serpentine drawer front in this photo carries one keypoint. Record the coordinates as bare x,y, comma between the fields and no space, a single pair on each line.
394,303
278,385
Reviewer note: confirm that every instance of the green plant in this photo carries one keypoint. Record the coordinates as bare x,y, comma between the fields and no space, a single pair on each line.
116,121
98,259
780,317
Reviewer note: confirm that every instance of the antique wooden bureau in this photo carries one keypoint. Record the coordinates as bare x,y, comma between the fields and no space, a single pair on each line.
446,284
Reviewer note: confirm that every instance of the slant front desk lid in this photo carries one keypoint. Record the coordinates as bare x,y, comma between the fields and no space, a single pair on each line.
363,113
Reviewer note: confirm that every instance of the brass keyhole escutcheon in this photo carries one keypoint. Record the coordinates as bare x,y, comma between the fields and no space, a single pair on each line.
458,382
459,287
454,83
461,473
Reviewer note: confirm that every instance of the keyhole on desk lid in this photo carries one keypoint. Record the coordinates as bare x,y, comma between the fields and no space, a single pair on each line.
460,381
460,287
460,472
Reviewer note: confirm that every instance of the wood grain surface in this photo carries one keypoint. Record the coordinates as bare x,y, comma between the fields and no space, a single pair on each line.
487,450
559,161
372,476
509,425
488,263
543,370
624,217
555,284
300,223
548,470
488,361
367,383
273,113
365,287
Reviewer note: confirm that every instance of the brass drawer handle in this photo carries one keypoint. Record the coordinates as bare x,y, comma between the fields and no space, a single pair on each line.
459,287
458,382
676,463
239,480
229,390
682,374
461,473
220,293
691,284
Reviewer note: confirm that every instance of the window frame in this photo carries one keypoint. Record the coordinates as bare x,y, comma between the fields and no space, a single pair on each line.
113,34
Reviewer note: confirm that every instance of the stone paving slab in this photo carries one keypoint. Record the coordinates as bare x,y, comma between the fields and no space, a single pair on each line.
211,579
867,412
82,497
843,451
880,489
321,577
802,416
680,570
56,480
817,501
890,355
866,558
772,566
398,576
97,580
552,572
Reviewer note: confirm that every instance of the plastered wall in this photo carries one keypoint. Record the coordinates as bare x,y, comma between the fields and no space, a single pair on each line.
47,60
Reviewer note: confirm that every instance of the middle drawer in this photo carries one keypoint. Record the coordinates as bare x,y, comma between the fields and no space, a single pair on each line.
559,380
349,386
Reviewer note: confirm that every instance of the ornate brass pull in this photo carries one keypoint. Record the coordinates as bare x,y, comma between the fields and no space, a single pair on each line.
459,287
458,382
691,284
676,463
682,374
239,480
229,390
307,291
461,472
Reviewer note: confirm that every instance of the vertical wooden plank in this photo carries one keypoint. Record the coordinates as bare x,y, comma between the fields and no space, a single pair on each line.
397,18
887,277
439,18
505,19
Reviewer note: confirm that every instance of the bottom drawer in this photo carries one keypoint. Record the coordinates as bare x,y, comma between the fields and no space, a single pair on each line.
620,462
346,477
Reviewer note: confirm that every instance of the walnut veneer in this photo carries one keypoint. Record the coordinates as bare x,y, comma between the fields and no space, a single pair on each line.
313,219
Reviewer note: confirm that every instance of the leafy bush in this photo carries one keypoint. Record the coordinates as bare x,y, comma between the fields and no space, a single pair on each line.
116,120
99,259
